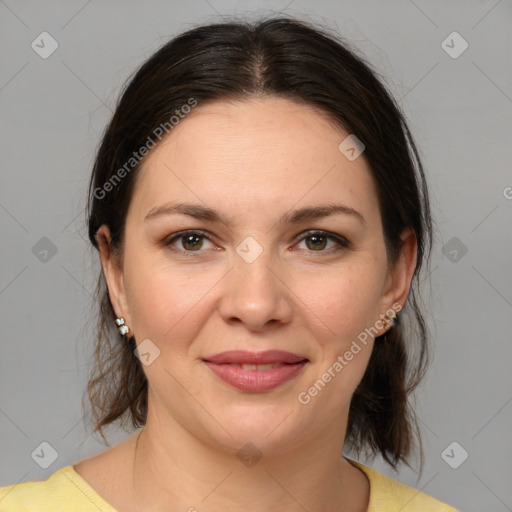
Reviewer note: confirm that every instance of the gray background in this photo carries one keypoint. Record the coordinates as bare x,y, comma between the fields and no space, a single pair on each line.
53,112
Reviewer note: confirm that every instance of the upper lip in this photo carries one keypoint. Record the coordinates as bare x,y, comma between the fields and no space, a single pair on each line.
246,357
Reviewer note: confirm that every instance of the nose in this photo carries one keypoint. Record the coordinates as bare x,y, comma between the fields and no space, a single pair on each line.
256,293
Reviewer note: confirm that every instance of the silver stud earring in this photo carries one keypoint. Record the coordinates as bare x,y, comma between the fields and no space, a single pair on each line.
390,321
123,328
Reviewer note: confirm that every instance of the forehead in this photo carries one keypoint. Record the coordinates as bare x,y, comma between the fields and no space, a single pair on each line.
261,155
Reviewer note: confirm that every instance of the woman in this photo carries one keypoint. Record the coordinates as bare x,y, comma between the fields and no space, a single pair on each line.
261,216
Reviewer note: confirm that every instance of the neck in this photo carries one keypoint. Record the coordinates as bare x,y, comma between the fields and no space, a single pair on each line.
172,466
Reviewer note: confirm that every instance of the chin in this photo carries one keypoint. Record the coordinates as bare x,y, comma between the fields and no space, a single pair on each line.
270,428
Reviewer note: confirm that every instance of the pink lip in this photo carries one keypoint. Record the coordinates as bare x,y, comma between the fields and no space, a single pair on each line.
256,380
246,357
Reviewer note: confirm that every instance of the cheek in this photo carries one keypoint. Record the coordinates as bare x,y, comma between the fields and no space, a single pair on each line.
333,389
345,300
344,346
166,302
164,299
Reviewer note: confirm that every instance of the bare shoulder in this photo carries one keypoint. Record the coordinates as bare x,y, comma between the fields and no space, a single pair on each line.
112,459
109,472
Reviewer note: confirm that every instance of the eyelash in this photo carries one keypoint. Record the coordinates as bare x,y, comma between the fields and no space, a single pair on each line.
342,242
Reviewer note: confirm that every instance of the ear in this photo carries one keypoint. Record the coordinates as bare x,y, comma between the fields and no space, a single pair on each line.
113,271
399,279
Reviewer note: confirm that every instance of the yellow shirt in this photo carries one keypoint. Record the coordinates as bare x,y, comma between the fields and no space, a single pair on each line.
66,490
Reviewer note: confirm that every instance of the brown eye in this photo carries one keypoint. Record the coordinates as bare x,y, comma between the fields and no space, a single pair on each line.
192,242
317,241
189,241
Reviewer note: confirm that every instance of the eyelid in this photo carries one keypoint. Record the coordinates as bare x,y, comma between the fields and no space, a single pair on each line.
179,234
339,239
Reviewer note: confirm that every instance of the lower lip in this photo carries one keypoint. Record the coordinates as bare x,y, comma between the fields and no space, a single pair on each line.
256,381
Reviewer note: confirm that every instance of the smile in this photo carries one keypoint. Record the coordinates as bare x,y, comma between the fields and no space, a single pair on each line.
256,372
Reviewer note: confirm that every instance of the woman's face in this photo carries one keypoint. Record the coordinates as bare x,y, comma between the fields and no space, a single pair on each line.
256,280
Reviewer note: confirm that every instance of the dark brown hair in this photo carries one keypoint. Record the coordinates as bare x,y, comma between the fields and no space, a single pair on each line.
293,59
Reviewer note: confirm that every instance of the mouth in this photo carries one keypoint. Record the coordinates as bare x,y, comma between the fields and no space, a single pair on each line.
256,366
256,372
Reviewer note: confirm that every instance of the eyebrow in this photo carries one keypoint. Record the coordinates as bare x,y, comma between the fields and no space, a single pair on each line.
294,217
